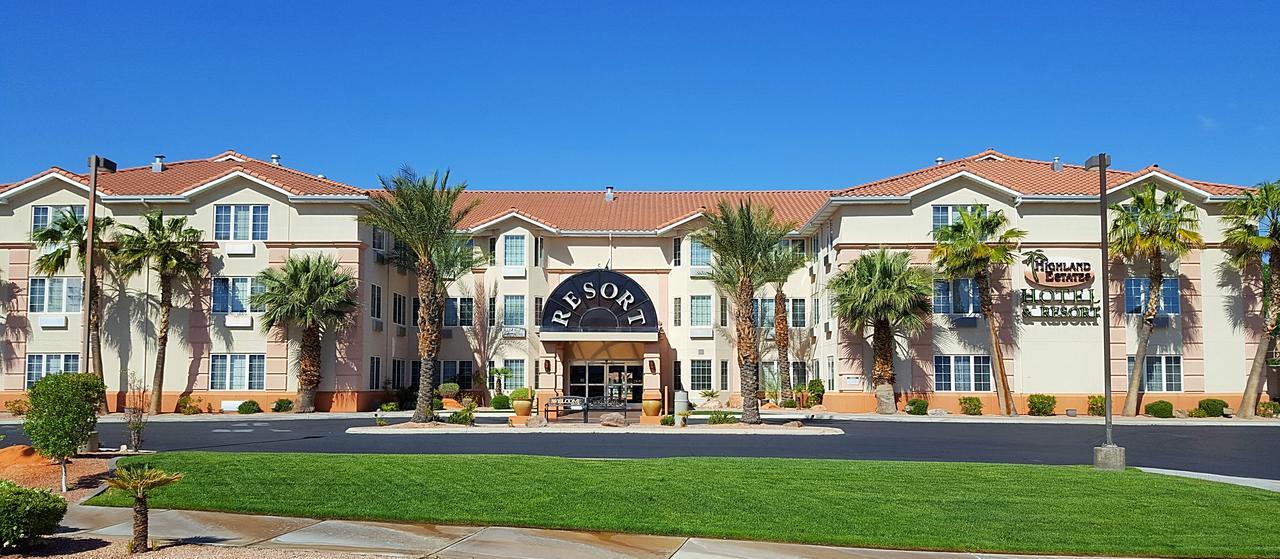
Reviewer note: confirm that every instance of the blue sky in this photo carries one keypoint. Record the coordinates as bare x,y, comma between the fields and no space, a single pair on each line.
652,95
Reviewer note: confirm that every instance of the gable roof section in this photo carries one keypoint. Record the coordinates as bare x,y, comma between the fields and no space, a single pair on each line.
1025,177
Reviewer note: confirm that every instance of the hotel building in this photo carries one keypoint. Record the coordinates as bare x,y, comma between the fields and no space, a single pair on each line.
597,293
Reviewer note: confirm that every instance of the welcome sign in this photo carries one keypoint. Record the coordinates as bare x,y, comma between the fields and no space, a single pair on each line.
599,301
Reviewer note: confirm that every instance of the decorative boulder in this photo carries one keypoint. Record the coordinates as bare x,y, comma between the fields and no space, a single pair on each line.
937,411
1228,412
769,406
451,404
1181,414
793,424
535,421
711,405
613,420
818,407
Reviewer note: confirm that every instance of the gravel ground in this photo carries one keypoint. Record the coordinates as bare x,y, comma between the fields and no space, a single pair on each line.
96,548
84,475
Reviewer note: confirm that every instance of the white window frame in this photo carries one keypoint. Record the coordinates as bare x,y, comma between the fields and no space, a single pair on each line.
251,285
398,306
699,254
375,301
224,381
51,213
700,310
514,379
954,306
234,217
513,258
700,374
952,382
512,310
1164,363
48,296
39,365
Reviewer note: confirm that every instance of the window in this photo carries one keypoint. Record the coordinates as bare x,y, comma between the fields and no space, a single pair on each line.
233,295
515,376
397,373
724,374
831,372
956,297
962,373
537,311
1163,373
398,304
945,215
41,216
699,254
492,311
676,311
538,252
675,251
795,308
379,239
762,312
41,364
1136,293
769,375
724,311
675,374
466,374
55,295
240,223
417,310
459,311
458,372
513,310
513,250
375,373
700,310
799,373
493,250
375,301
700,374
237,371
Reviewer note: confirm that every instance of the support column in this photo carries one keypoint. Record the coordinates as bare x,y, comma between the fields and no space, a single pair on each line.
652,398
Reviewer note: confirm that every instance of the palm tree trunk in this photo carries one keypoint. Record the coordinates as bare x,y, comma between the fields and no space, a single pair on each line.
882,366
95,326
309,368
782,339
748,354
1004,397
1271,302
141,528
162,342
1155,278
428,340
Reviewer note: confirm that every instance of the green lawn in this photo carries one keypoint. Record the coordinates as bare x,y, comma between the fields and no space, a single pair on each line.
911,505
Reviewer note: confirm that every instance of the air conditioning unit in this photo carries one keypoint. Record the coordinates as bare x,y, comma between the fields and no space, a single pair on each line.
237,249
53,321
401,331
377,325
238,321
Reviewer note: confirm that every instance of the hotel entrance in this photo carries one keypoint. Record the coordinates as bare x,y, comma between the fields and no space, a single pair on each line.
611,381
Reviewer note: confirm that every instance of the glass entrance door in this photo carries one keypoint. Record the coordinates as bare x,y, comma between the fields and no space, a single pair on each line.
618,380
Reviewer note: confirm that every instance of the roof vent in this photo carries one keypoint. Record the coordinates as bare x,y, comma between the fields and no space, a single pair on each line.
608,193
1057,163
321,175
939,160
158,164
275,159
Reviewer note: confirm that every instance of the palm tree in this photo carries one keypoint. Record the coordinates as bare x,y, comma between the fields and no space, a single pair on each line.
63,240
423,214
741,238
171,249
1253,239
1146,231
882,291
969,248
783,260
313,293
139,481
454,258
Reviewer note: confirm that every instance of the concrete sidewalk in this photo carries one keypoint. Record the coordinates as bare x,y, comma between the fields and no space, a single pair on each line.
449,542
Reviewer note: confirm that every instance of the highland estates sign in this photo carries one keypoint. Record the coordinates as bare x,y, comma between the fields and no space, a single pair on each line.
1055,298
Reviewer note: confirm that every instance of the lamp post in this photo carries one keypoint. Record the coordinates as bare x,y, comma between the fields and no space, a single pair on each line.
1108,456
96,162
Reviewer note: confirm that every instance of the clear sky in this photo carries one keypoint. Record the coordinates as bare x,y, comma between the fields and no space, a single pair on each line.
640,94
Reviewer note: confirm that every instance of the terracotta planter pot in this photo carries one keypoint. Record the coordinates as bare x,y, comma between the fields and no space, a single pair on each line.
523,407
651,407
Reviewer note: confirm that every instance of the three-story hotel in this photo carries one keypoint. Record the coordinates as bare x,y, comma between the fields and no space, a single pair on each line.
595,293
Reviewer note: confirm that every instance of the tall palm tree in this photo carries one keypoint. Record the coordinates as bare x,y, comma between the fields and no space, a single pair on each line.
970,247
64,239
423,214
313,293
171,249
139,482
882,291
1253,239
455,257
1145,231
783,260
741,238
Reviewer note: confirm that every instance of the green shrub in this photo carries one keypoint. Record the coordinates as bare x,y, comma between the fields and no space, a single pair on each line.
1197,412
668,420
249,407
27,513
188,405
1159,408
1269,409
437,404
917,406
522,393
816,391
501,402
1212,407
407,397
389,406
465,415
971,405
719,417
1041,404
1097,405
282,405
18,407
449,390
788,403
64,411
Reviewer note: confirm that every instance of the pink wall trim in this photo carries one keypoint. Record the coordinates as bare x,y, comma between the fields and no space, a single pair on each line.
1119,345
1190,278
13,347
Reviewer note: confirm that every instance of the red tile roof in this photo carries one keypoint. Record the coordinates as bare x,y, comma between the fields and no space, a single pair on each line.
1025,176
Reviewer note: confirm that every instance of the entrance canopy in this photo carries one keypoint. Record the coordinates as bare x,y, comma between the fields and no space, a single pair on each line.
599,305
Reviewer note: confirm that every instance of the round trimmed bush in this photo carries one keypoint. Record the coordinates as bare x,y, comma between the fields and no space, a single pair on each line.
1097,404
1041,405
282,405
437,404
449,390
248,407
389,406
1212,407
720,417
27,513
668,421
522,393
1159,408
917,406
971,405
788,403
501,402
816,391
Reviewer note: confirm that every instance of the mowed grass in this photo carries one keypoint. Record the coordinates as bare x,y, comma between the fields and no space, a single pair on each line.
907,505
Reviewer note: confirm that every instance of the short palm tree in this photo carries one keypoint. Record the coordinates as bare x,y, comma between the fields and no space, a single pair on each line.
782,262
63,240
1253,239
171,249
314,294
423,214
971,247
742,237
1145,231
139,481
882,291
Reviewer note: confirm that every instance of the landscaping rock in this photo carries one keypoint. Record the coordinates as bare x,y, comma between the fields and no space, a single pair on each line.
818,407
937,411
1228,412
769,406
793,424
613,420
1181,414
535,421
711,405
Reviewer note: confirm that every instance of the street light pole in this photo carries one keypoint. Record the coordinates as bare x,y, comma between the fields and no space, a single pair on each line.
1108,456
86,295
